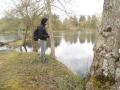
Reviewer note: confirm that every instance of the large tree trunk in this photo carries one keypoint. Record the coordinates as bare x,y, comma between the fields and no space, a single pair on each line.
105,69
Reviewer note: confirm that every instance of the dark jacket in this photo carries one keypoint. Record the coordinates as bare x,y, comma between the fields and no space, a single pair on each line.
42,33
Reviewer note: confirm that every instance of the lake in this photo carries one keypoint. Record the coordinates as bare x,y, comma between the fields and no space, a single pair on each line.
8,38
74,49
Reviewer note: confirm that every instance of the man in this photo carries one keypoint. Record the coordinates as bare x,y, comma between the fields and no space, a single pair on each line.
43,37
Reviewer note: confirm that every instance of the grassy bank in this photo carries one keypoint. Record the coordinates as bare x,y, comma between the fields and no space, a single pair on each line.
26,72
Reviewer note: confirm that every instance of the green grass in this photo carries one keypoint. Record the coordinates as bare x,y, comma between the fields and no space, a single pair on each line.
26,72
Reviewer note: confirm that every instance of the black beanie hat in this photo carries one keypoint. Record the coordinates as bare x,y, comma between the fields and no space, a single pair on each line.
43,21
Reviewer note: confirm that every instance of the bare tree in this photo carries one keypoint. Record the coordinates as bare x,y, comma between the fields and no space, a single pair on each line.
29,12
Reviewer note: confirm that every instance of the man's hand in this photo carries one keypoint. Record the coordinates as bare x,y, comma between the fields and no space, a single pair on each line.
49,36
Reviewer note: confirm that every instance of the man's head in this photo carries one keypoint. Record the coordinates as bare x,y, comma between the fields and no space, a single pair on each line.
43,21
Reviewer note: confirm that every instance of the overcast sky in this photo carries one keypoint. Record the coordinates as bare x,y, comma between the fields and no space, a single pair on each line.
75,7
81,7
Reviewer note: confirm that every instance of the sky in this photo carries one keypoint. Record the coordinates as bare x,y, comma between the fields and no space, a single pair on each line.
81,7
73,7
4,6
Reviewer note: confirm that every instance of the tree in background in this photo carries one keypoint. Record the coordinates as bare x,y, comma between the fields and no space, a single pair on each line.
70,23
73,22
94,22
82,22
9,24
89,23
66,24
56,23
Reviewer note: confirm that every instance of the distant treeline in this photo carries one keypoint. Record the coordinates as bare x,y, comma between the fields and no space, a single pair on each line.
13,24
74,23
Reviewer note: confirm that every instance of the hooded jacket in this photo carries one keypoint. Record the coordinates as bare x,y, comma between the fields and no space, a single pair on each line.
42,33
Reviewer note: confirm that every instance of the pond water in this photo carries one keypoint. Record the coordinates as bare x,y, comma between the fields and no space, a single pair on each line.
7,38
74,49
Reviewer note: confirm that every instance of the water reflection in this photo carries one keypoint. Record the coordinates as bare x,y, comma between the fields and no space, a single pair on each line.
75,50
71,37
77,56
3,48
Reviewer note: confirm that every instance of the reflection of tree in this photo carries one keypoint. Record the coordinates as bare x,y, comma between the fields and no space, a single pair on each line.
82,37
93,37
58,37
57,41
75,36
71,37
88,37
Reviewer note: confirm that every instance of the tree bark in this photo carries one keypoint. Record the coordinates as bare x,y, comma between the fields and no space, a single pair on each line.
105,69
50,29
